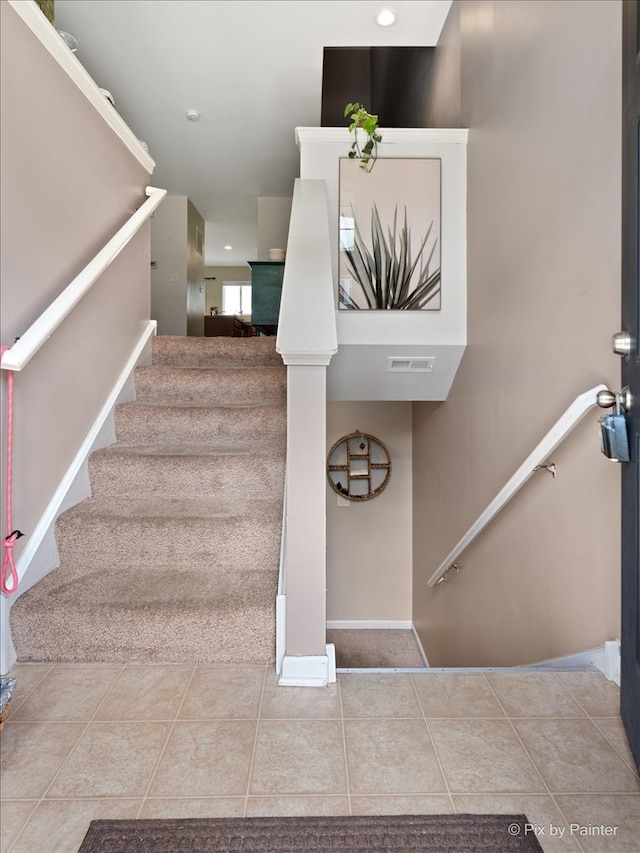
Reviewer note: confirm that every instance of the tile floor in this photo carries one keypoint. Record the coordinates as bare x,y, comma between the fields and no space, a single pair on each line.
86,741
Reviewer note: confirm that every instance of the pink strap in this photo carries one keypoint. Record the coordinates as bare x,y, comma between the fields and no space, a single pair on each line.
9,572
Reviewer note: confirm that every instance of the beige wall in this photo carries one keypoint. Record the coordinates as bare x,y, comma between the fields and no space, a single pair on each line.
178,305
195,273
540,92
169,254
273,217
57,210
369,543
443,95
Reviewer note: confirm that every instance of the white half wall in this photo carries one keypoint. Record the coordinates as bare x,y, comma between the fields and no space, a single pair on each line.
383,332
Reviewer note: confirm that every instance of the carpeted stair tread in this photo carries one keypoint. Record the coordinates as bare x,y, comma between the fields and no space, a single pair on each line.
182,509
141,423
186,471
225,589
206,622
98,540
198,386
205,450
151,624
175,556
215,352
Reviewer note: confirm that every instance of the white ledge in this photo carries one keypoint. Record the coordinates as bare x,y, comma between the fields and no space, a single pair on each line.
390,135
307,358
36,21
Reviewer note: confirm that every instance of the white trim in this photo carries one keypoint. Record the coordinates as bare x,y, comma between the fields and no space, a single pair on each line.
421,650
308,670
41,329
558,432
605,658
281,597
314,358
611,661
281,631
7,650
390,135
51,512
36,21
378,624
39,543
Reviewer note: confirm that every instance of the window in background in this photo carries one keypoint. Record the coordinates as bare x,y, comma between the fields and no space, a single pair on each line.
236,298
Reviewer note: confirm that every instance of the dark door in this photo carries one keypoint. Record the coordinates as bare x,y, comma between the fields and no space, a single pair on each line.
630,674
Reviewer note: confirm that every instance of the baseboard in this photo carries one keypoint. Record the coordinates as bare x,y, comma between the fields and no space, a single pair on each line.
605,658
40,555
378,624
611,661
421,650
309,670
281,615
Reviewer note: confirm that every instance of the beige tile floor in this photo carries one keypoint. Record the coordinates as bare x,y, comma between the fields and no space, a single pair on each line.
102,741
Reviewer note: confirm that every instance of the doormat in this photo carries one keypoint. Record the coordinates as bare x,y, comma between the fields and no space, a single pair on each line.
384,834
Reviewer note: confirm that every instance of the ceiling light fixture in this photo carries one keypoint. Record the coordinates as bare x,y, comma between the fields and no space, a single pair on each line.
228,248
70,41
385,18
193,115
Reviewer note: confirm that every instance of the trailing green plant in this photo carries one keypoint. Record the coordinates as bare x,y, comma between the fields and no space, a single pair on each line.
47,7
363,120
388,277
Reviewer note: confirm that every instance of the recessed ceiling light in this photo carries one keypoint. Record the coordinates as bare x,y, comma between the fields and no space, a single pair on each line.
193,115
228,248
385,18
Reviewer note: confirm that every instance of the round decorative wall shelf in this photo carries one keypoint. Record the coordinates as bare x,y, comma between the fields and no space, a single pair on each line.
358,466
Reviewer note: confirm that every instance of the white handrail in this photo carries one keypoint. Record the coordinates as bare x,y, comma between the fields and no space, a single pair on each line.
558,432
41,330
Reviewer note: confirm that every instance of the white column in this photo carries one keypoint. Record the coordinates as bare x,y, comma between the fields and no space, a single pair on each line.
306,510
306,341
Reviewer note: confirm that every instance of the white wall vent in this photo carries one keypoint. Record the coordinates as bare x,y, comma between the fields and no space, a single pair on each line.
411,364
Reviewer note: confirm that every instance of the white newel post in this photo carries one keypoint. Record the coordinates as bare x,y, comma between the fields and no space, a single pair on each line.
306,659
306,340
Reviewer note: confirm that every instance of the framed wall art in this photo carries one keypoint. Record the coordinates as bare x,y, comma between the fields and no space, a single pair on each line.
390,235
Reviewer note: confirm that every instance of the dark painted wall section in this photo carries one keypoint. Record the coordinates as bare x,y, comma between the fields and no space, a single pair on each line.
392,82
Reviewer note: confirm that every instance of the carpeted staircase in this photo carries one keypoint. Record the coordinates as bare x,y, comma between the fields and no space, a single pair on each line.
174,558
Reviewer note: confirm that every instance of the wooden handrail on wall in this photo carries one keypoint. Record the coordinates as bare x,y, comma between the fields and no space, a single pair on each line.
41,329
556,435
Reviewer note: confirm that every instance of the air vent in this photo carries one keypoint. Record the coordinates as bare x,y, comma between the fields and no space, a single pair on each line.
417,364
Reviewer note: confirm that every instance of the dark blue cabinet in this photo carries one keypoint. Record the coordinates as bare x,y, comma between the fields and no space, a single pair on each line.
266,290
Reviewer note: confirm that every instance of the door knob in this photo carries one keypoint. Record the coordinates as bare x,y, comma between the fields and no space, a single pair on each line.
621,343
607,399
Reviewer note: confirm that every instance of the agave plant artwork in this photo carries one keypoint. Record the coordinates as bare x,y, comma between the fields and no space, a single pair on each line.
386,273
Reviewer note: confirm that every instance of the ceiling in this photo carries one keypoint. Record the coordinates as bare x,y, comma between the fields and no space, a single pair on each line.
252,68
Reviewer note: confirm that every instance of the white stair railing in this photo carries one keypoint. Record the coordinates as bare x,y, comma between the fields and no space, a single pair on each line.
41,329
538,456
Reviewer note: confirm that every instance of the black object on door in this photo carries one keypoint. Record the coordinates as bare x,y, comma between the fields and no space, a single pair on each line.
630,673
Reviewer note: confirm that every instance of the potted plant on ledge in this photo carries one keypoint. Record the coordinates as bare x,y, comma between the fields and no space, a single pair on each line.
365,121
